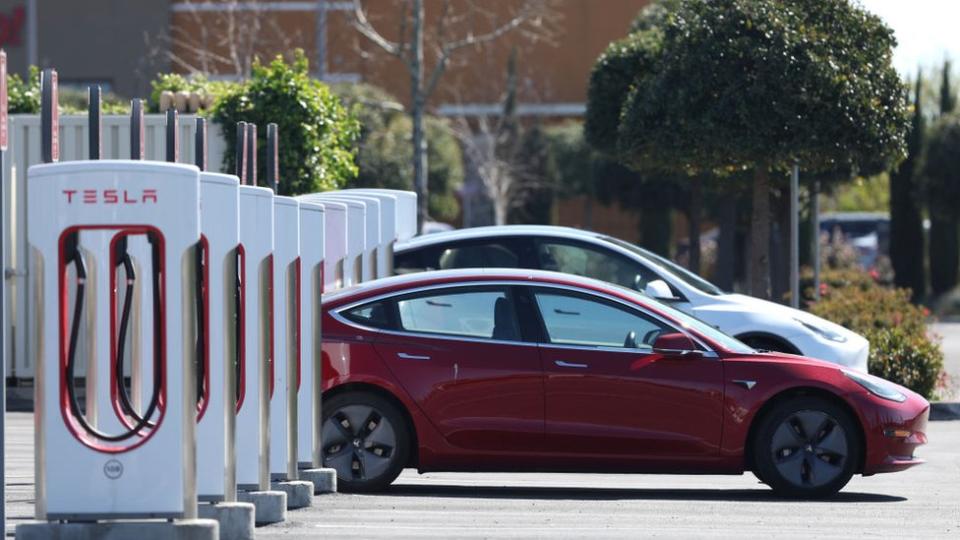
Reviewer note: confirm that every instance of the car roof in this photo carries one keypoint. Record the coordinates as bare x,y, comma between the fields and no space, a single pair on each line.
494,232
420,279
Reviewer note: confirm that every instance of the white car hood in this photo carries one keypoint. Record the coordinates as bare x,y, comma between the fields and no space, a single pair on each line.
737,312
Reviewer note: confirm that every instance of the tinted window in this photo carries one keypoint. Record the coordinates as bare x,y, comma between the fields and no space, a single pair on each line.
586,261
484,313
374,315
500,253
578,320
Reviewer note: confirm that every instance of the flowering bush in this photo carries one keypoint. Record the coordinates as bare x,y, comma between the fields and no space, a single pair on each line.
900,349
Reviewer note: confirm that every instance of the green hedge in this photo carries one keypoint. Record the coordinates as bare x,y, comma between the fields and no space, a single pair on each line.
900,349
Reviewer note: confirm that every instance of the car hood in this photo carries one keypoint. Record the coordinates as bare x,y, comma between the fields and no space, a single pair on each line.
766,312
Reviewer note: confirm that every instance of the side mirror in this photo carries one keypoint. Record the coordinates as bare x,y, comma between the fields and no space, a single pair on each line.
659,290
675,343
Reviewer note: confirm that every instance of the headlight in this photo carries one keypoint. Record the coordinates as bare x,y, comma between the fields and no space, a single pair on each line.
823,332
876,386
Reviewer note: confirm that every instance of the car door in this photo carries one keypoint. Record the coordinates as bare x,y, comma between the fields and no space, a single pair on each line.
607,393
460,354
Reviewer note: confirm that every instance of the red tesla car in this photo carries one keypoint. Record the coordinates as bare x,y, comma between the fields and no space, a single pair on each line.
507,370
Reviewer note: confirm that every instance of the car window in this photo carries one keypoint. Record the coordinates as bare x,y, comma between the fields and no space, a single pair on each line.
487,255
484,313
585,261
572,319
374,315
682,273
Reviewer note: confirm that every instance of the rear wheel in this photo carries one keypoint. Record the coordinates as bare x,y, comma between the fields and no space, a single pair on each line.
365,440
807,447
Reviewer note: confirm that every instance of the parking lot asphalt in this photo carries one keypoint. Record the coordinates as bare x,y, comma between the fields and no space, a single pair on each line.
923,502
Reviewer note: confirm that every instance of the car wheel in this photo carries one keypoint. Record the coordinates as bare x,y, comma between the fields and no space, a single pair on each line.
364,438
807,447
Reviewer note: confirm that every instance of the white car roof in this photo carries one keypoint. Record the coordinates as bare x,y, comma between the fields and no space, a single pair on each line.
496,231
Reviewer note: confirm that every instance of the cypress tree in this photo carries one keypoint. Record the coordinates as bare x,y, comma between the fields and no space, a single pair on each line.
906,220
942,194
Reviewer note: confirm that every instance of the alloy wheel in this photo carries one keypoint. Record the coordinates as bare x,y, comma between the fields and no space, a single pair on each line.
359,442
809,449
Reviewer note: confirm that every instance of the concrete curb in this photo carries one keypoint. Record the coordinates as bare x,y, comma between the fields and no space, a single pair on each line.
186,529
323,480
945,410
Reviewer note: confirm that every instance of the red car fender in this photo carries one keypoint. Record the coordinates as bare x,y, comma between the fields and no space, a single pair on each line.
356,362
742,404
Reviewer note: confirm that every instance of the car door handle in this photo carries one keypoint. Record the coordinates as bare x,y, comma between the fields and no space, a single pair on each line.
561,363
406,356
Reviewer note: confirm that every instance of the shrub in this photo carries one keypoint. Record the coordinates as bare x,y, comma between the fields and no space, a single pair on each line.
317,133
383,154
23,97
900,349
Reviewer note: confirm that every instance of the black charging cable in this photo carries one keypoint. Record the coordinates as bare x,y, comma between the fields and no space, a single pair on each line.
74,256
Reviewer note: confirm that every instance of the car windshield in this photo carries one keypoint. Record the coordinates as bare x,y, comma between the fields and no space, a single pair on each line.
690,322
680,272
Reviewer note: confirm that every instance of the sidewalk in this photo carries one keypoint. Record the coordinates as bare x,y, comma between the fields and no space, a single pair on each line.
949,333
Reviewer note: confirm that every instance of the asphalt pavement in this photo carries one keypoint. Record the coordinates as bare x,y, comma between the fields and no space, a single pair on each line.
923,502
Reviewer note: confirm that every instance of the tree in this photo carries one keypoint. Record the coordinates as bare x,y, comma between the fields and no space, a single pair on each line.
454,30
316,132
943,191
760,85
906,219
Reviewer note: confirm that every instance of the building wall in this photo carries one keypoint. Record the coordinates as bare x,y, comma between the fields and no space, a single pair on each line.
553,72
118,43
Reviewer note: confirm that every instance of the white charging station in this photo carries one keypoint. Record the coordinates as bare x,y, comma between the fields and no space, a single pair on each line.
371,228
286,336
389,226
334,243
311,287
256,244
219,227
406,209
85,472
355,231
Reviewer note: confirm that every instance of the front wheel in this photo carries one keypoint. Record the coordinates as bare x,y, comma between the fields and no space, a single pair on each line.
807,447
364,438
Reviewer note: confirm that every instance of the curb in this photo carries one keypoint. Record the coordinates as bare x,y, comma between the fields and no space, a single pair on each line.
944,410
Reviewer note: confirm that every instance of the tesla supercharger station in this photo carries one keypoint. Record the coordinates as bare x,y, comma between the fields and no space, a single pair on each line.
219,224
334,243
85,470
311,287
371,227
354,219
286,349
406,209
256,241
389,226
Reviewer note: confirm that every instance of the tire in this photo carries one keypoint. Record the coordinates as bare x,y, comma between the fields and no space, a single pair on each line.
799,465
364,437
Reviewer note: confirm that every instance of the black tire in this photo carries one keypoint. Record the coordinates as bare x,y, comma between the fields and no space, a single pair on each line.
806,447
378,446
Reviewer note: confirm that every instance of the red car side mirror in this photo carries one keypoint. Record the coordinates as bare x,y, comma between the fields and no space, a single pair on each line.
674,343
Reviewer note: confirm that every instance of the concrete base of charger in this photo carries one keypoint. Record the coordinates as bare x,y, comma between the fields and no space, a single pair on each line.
270,506
323,480
236,519
299,493
185,529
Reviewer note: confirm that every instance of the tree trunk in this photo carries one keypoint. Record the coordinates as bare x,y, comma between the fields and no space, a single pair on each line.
419,102
693,213
944,257
726,242
760,234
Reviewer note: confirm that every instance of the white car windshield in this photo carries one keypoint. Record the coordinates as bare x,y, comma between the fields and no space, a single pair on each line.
678,271
690,322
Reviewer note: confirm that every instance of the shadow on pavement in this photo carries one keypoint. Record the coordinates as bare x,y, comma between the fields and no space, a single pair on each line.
761,494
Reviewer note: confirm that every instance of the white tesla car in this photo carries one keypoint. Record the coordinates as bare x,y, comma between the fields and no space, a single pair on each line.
759,323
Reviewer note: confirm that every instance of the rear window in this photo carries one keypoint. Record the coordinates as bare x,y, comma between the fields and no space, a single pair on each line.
374,315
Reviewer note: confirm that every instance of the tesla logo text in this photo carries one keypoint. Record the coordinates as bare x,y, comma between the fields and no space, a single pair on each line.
110,196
